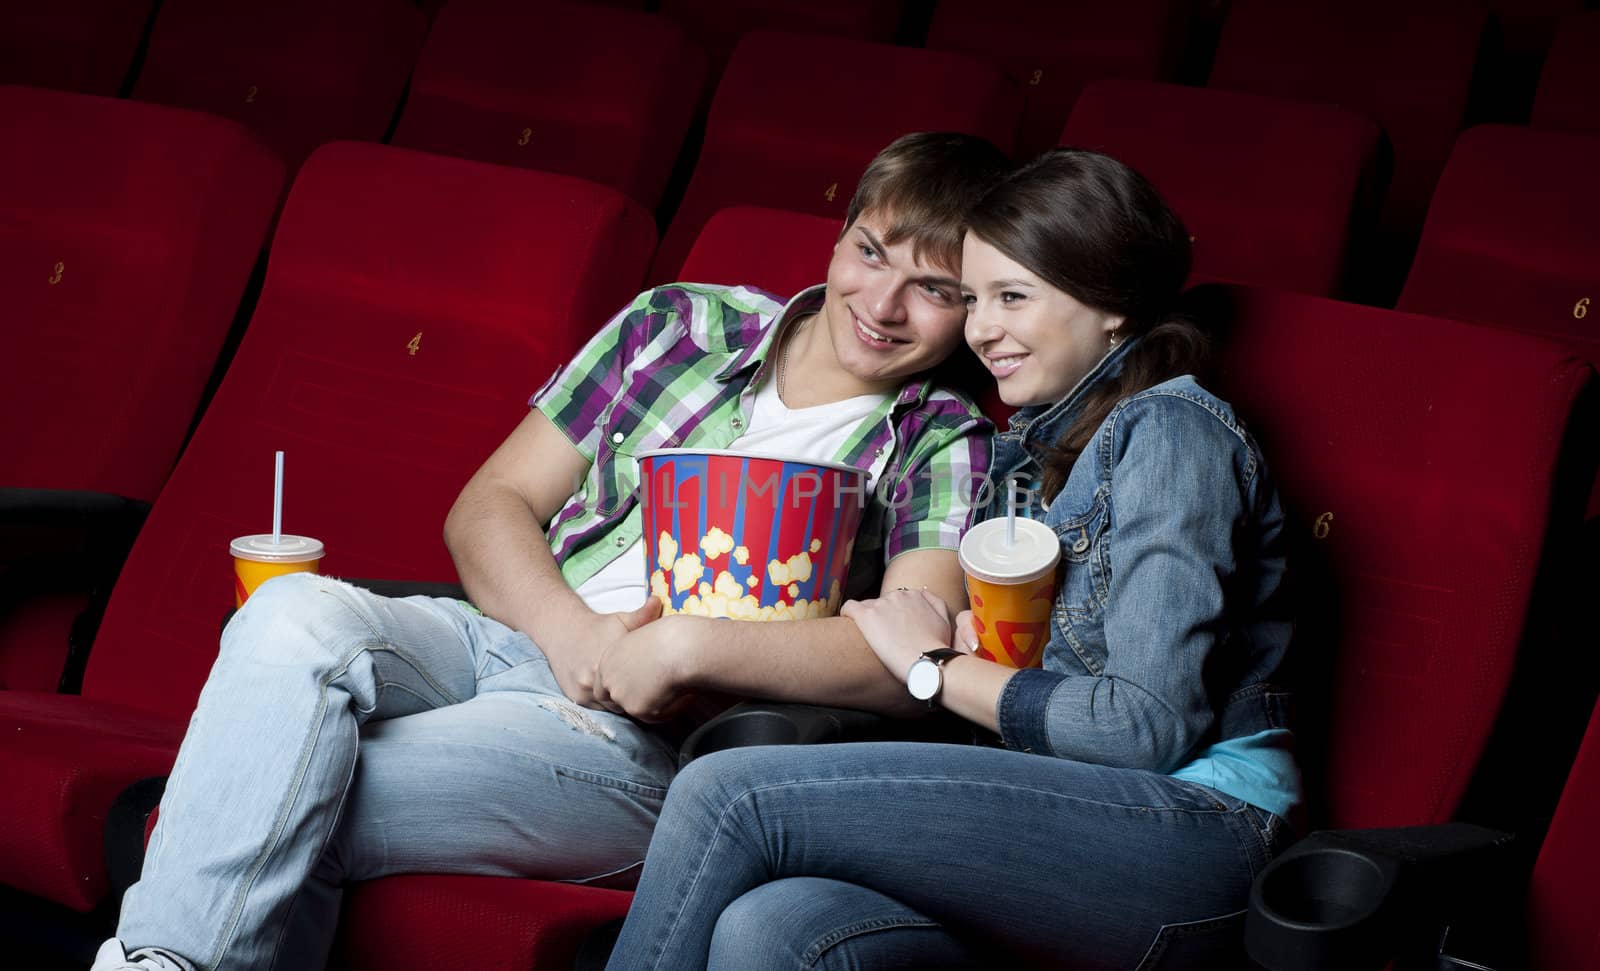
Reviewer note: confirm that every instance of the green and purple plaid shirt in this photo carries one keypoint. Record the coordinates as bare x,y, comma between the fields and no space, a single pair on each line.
679,367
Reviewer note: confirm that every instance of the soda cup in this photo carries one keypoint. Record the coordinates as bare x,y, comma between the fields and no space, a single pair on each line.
1012,587
257,559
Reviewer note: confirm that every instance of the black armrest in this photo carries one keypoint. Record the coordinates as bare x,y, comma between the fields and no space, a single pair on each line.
394,588
1353,900
772,723
54,540
64,524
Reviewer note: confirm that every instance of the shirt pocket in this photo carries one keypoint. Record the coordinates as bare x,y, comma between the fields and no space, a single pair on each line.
627,429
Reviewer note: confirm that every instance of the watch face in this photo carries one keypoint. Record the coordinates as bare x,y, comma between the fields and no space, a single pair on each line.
924,679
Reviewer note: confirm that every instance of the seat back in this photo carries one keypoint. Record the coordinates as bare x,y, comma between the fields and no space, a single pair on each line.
127,234
799,139
1568,97
71,45
1052,48
1273,191
1563,909
780,252
608,96
1424,501
299,72
717,26
1409,65
412,303
1513,236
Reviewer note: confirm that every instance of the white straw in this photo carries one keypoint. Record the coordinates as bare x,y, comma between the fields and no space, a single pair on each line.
277,500
1011,512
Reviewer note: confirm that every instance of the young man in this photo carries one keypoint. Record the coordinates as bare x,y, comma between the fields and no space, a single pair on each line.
518,741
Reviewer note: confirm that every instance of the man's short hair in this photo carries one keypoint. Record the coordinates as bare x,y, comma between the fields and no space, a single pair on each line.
927,182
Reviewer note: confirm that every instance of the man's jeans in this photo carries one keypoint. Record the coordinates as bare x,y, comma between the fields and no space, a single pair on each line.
896,855
344,736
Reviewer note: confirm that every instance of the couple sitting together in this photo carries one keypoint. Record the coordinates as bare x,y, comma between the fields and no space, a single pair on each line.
1142,777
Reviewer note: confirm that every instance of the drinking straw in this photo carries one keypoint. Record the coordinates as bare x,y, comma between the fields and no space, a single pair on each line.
1011,512
277,500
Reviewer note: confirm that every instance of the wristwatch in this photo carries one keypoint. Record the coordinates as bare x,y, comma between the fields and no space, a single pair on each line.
925,679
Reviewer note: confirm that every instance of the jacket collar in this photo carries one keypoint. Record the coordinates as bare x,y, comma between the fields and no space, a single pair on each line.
1045,423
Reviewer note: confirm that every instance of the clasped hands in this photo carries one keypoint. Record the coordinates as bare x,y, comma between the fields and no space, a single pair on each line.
639,663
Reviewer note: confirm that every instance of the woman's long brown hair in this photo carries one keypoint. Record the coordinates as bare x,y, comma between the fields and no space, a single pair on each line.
1098,231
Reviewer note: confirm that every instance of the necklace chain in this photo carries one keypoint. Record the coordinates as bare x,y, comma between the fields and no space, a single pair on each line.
783,355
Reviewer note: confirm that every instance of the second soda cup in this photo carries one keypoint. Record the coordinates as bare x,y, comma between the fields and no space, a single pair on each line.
1012,586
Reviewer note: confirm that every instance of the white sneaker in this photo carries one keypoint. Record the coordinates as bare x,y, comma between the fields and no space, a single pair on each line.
111,957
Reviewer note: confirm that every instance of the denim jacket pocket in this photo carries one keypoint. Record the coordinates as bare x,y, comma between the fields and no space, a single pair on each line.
1085,570
1082,585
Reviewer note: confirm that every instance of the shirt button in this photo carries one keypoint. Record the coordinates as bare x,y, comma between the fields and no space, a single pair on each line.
621,541
738,423
617,437
1080,545
877,453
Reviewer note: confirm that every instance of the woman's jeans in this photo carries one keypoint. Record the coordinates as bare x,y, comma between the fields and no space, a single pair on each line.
344,736
894,855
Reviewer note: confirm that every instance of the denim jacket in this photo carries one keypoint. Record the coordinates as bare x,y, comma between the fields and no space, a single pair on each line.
1171,617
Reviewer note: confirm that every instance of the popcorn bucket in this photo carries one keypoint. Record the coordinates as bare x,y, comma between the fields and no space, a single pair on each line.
748,537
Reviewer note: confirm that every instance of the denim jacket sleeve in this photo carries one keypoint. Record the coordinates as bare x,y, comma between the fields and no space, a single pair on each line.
1180,488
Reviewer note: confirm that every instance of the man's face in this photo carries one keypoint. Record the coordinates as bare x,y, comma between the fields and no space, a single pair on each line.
889,315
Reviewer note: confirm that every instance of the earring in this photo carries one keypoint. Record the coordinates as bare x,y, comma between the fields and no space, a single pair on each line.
1114,339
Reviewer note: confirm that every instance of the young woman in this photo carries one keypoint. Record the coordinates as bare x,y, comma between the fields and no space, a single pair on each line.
1146,772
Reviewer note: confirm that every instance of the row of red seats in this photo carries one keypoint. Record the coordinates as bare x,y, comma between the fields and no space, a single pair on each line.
495,80
412,300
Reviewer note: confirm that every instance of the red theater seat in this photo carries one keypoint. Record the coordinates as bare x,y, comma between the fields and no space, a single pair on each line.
300,72
1408,64
718,25
127,235
1513,236
1563,908
780,252
799,139
411,304
1568,98
1418,559
71,45
1273,191
590,91
1053,48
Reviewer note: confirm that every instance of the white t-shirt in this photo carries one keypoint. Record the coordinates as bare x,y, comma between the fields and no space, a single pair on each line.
815,434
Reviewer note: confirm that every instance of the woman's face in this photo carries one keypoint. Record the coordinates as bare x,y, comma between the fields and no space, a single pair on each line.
1036,340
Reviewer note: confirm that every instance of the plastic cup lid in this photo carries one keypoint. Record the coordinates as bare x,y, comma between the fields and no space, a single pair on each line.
986,555
291,549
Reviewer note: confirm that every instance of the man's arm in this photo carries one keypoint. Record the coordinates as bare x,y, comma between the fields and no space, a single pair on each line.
496,534
824,662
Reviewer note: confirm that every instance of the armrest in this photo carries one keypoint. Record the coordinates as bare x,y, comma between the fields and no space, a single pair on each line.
55,540
66,525
1352,900
394,588
772,723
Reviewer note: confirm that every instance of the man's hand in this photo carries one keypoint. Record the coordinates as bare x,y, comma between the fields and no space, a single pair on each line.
900,625
645,673
575,666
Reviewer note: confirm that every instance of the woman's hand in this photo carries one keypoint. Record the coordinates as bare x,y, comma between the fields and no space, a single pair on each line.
900,625
966,633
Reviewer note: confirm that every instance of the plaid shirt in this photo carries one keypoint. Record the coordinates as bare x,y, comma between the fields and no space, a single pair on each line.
680,366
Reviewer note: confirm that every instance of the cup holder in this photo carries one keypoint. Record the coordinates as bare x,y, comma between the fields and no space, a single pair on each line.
1328,888
738,729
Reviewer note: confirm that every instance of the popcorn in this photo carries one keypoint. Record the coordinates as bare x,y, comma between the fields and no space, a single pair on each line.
716,543
666,548
741,555
797,569
686,572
